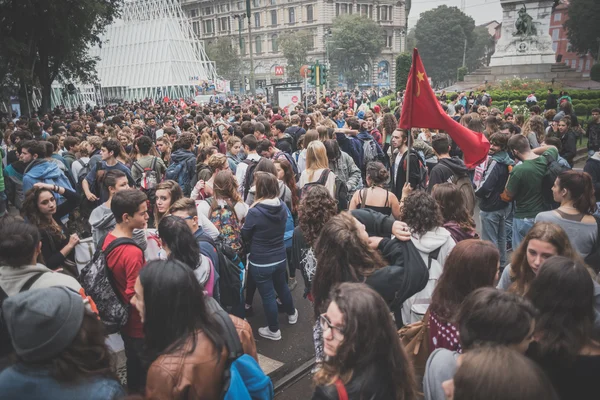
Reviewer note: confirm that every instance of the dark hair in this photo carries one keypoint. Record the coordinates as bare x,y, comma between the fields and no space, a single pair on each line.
280,126
581,190
421,213
180,240
86,356
535,109
316,208
333,150
250,141
31,212
263,145
18,242
267,186
112,146
479,376
290,181
471,264
452,205
371,345
175,308
186,140
519,143
553,141
563,292
476,125
353,123
144,144
499,139
595,110
492,316
342,256
377,173
111,177
128,202
70,142
441,143
35,148
389,123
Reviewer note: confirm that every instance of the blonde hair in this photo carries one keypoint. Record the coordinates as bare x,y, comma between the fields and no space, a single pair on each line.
232,141
217,161
316,158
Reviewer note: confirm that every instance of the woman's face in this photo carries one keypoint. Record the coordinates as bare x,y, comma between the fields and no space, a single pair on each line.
123,140
332,336
163,200
308,121
46,203
280,171
162,147
121,184
362,231
558,194
539,251
235,149
138,299
225,135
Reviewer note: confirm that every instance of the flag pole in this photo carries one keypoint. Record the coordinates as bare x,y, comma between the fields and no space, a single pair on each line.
409,144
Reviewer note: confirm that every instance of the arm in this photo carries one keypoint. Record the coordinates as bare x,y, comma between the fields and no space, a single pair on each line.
435,177
67,206
570,148
490,182
375,223
208,227
135,172
414,174
248,228
512,187
88,182
542,149
133,258
395,204
354,201
54,259
354,178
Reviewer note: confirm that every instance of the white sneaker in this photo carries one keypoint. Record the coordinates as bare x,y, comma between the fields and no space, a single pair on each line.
268,334
292,319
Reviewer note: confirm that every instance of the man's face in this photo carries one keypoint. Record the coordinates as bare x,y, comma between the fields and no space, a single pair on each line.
26,157
173,137
268,153
596,116
494,148
484,115
397,139
192,222
562,127
168,123
370,123
105,154
259,135
139,219
152,123
505,130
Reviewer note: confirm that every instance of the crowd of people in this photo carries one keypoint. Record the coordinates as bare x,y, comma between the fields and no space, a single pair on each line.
158,222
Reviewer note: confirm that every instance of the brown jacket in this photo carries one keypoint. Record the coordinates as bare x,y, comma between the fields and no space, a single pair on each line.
198,375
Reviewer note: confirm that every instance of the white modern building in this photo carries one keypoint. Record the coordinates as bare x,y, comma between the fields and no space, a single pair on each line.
212,19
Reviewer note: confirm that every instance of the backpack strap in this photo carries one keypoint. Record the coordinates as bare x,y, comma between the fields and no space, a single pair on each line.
341,389
232,339
153,164
138,166
324,176
433,256
31,281
363,198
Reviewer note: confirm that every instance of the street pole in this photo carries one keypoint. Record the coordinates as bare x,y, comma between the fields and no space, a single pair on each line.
318,80
464,64
305,89
240,19
252,83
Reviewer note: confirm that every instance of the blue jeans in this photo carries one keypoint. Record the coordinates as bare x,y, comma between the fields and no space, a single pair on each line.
269,279
2,203
493,228
520,228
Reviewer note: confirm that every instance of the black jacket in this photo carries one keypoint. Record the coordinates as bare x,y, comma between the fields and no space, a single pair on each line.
592,167
493,181
399,178
551,102
593,133
445,169
569,147
369,383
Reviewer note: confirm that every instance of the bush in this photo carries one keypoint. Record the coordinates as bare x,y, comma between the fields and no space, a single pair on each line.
403,63
462,71
595,72
580,109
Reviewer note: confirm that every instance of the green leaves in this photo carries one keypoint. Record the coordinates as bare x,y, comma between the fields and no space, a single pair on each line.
226,58
295,46
583,29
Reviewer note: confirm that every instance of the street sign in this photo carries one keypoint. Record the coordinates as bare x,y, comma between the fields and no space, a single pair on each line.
294,99
278,70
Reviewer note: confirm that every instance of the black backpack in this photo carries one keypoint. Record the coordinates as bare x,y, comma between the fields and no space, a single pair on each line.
6,347
249,176
553,170
231,272
593,259
340,190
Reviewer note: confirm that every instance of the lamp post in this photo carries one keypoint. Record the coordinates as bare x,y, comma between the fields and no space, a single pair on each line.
249,14
240,18
326,40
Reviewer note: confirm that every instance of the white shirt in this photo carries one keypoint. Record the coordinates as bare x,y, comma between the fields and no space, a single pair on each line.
241,208
78,165
330,184
240,172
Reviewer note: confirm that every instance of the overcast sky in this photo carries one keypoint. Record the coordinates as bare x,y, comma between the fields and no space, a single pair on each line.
481,11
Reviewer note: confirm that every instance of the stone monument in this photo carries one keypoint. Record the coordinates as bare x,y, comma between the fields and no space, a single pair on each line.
525,38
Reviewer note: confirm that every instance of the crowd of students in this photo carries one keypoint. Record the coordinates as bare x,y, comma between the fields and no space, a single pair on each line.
193,209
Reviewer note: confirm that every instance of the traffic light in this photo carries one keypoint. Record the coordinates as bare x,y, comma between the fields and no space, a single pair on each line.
312,75
324,74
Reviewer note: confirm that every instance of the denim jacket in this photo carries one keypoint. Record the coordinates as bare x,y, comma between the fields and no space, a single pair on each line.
20,382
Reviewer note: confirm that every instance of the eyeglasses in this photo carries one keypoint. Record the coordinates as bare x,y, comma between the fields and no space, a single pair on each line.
338,333
188,217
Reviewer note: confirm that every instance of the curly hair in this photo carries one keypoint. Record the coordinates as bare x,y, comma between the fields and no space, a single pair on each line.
421,213
316,208
31,213
452,205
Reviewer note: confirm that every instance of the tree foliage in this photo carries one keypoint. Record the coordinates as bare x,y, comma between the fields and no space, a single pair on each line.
440,35
295,47
49,40
354,44
226,58
403,63
480,50
583,29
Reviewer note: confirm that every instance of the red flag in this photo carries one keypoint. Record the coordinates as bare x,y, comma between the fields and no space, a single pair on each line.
422,109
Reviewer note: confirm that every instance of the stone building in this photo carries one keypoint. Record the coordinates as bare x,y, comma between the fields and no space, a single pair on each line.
212,19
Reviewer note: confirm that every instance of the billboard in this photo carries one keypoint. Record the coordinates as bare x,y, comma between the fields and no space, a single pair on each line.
288,98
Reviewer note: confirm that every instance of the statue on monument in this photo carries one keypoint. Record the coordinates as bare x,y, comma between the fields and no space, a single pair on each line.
524,24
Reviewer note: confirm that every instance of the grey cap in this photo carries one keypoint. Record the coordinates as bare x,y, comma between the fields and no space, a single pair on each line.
43,322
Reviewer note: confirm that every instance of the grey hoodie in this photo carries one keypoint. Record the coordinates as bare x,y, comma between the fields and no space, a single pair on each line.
103,221
12,279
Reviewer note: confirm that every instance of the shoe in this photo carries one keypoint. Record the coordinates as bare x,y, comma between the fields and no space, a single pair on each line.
268,334
292,283
249,310
292,319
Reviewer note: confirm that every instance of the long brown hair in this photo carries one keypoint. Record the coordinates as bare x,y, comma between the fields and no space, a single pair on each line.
31,213
521,272
581,190
290,181
452,205
175,192
471,264
225,188
371,347
342,256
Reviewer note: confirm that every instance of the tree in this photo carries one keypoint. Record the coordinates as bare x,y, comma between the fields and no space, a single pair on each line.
411,41
295,47
49,40
481,49
440,35
355,42
403,63
226,58
583,29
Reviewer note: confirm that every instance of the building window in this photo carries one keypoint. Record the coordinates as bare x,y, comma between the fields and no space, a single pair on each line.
384,13
256,3
569,47
240,6
557,17
588,64
292,15
309,13
193,13
573,63
258,45
241,23
196,27
387,40
207,26
208,11
257,20
364,10
224,25
274,44
555,34
554,46
273,2
243,46
273,17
